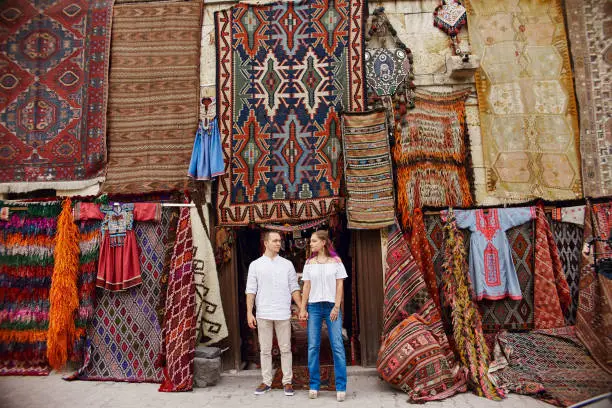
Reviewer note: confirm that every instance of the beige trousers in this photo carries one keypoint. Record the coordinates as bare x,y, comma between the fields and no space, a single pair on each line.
283,336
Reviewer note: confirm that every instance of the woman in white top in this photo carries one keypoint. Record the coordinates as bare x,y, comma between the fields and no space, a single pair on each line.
323,278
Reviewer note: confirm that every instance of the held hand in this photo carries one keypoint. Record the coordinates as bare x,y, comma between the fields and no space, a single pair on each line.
252,321
303,314
334,314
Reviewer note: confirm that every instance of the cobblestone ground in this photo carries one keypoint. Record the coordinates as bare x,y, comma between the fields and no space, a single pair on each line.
234,390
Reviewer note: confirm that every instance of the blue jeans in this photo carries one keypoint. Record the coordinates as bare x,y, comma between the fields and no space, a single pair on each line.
317,312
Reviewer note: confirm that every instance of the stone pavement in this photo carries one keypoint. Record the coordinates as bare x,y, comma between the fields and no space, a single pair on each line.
234,390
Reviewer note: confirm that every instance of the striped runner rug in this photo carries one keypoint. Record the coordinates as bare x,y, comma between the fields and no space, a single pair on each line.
367,169
153,95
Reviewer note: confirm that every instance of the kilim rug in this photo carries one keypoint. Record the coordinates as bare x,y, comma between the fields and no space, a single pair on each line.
594,316
53,75
124,339
26,266
367,170
179,332
414,355
528,116
591,50
153,95
551,291
500,314
284,72
568,238
552,364
211,326
432,154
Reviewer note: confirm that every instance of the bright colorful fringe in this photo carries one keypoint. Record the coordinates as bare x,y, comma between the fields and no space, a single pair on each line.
64,299
26,266
467,326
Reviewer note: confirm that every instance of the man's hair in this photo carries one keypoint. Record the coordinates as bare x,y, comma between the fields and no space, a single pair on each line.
267,234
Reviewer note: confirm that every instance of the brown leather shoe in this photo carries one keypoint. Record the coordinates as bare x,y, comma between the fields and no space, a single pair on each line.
288,388
262,389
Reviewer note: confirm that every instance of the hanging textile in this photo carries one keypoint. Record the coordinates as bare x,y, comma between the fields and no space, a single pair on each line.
422,253
467,326
492,271
124,338
528,114
118,266
54,69
63,295
594,316
211,326
414,355
551,292
26,266
551,365
179,331
432,154
153,108
568,239
367,170
279,119
591,51
495,314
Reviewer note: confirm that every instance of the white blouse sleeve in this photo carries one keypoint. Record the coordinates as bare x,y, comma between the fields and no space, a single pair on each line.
306,272
340,271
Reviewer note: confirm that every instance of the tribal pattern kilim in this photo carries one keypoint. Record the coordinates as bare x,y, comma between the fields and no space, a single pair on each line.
124,339
568,238
284,72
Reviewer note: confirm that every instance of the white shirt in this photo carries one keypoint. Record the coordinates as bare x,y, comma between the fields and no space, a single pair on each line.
272,281
322,279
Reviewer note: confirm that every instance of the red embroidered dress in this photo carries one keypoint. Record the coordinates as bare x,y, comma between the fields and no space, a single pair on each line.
119,262
491,268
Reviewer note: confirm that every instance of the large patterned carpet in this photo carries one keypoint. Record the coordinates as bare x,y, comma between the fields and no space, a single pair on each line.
53,81
284,72
528,115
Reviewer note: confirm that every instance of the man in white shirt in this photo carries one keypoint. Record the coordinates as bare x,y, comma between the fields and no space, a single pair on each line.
271,284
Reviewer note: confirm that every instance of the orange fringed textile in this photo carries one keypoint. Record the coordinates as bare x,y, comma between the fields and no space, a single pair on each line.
64,298
422,253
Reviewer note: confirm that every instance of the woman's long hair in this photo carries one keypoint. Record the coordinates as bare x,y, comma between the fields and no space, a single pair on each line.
329,250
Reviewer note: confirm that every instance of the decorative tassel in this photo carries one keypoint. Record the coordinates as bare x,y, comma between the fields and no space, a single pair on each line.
64,299
467,325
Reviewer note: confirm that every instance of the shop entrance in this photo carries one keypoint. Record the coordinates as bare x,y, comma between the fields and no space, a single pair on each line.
295,247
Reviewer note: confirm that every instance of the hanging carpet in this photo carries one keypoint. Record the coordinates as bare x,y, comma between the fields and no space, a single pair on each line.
179,330
211,326
124,339
153,95
528,116
568,238
367,170
550,364
415,355
284,72
54,59
594,316
432,154
590,40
